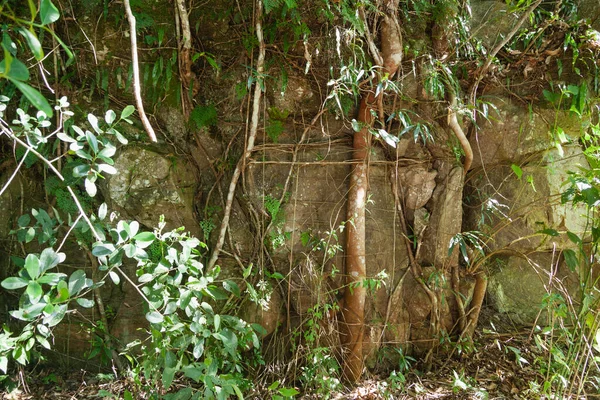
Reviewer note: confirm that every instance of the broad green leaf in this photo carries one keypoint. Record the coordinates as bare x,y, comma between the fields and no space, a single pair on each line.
57,315
32,265
14,69
232,287
90,187
34,44
127,111
81,170
574,238
288,392
77,281
114,277
100,250
109,169
34,291
48,12
51,278
50,259
193,372
85,303
3,364
102,211
34,97
13,283
24,220
145,237
63,292
91,138
154,317
110,117
549,232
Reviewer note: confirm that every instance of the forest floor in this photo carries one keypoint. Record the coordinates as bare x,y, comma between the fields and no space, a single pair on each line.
502,366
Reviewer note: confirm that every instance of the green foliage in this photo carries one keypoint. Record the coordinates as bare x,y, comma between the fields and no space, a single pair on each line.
203,116
187,336
31,29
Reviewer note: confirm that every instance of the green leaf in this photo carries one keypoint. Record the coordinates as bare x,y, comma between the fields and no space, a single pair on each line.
127,111
85,303
91,138
110,117
23,220
51,278
114,277
517,170
154,317
145,237
34,44
32,265
574,238
14,283
102,211
34,291
14,69
34,97
232,287
288,392
63,292
48,12
100,250
571,259
90,187
77,281
81,170
193,372
50,259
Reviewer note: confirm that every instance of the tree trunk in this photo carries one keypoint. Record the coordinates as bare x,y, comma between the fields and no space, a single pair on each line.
355,293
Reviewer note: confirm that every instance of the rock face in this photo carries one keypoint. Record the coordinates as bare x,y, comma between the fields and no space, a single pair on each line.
150,185
514,198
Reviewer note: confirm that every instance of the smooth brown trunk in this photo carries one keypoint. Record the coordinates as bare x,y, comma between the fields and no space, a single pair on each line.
353,326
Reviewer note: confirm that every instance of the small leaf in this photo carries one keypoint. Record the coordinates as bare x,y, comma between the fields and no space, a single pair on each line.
102,210
114,277
90,187
100,250
232,287
34,291
288,392
109,169
154,317
48,12
517,170
145,237
127,111
571,259
32,265
14,283
91,138
77,282
23,220
85,303
110,117
549,232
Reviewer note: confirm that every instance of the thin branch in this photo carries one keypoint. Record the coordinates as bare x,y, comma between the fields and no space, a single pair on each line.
251,137
137,87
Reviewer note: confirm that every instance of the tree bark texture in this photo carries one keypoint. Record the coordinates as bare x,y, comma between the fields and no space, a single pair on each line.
355,294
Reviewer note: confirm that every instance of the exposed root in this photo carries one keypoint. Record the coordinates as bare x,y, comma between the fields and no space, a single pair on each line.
137,87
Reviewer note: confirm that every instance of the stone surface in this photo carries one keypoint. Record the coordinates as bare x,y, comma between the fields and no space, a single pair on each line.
445,220
512,210
491,21
518,288
151,184
515,133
